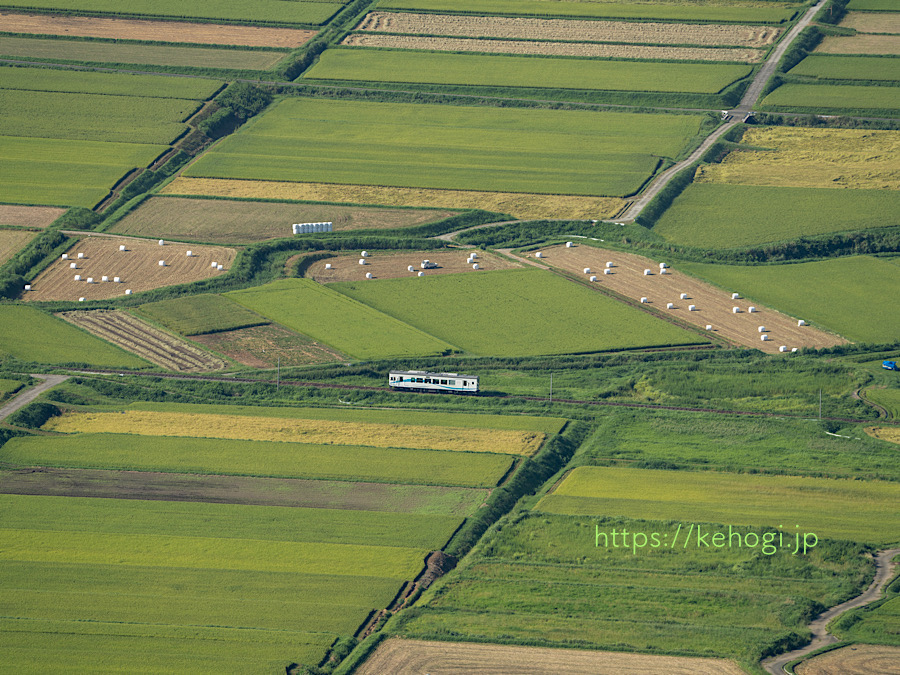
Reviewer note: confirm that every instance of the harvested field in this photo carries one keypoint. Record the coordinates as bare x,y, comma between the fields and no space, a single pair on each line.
138,337
11,241
804,157
890,434
394,265
28,216
526,206
874,22
714,306
242,427
240,222
860,44
443,44
137,267
408,657
708,35
296,492
269,346
156,31
853,660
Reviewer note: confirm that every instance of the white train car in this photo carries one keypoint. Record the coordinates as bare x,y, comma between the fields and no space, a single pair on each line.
419,380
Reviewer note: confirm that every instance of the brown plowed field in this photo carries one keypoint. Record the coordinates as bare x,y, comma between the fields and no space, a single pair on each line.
134,335
414,657
156,31
714,306
394,265
516,204
860,44
872,22
564,29
316,494
442,44
854,660
29,216
268,347
137,267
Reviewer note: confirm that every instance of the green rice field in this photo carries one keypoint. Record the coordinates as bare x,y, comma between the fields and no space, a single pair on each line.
453,147
94,117
519,71
200,314
274,11
341,322
153,55
833,96
259,458
31,335
817,505
518,313
165,579
714,215
849,67
872,6
846,295
459,420
115,84
55,172
675,11
888,398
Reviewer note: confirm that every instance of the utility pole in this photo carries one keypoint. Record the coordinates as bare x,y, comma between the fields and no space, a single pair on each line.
820,404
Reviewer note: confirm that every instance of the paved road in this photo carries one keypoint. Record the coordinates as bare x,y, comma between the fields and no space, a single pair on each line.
22,400
765,73
884,572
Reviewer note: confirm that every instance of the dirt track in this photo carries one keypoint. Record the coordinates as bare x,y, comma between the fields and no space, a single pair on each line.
713,306
29,395
415,657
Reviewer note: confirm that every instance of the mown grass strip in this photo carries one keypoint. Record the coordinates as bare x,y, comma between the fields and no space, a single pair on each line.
384,65
259,458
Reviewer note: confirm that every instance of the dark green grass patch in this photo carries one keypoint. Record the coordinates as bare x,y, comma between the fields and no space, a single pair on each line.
199,314
259,11
66,172
740,444
848,67
153,55
349,326
30,335
452,147
519,71
516,313
259,458
824,97
94,117
851,296
542,580
117,84
675,11
713,215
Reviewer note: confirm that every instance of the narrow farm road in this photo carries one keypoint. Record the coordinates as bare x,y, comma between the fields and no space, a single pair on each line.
745,106
884,572
22,400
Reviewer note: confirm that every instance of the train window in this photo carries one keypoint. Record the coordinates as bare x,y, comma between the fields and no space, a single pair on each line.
452,383
418,379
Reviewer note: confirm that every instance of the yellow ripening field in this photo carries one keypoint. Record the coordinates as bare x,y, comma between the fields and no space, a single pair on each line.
803,157
241,427
891,434
519,205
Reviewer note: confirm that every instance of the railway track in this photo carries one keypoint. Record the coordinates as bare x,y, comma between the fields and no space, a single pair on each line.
516,397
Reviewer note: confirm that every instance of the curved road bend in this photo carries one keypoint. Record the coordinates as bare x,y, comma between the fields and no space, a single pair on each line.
24,399
884,572
745,106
